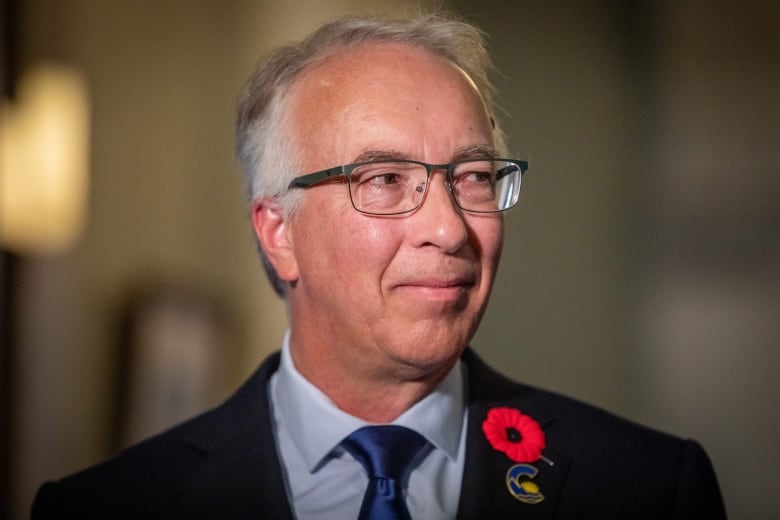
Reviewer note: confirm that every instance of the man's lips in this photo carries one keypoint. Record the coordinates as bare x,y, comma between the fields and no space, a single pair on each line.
437,287
437,283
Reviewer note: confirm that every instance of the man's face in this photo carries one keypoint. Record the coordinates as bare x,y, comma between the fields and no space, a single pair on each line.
398,295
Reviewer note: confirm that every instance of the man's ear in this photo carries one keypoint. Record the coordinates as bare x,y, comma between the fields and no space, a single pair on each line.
272,229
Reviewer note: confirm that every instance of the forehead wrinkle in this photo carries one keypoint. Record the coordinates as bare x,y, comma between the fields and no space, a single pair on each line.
381,155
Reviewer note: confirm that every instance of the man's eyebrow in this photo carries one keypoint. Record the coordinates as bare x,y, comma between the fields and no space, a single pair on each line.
476,151
468,152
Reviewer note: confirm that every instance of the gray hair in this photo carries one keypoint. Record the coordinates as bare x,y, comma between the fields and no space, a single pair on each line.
268,153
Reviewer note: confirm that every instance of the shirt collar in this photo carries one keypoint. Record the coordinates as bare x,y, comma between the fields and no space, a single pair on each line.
316,425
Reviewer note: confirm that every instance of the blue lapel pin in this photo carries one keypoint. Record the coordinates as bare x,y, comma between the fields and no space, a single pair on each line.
519,481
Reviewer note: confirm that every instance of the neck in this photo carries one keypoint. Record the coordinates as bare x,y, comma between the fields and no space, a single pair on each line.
376,396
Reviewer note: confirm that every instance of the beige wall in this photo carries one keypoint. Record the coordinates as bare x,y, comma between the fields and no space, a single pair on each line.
594,297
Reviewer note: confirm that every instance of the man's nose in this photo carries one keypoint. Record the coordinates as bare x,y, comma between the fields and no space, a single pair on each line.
439,221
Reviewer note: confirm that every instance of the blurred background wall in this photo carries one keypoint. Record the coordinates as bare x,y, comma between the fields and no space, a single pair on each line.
640,271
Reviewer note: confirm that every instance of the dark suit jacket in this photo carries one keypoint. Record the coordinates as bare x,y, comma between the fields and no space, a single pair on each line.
224,464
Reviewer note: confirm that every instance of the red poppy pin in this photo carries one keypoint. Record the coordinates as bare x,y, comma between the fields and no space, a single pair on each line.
514,433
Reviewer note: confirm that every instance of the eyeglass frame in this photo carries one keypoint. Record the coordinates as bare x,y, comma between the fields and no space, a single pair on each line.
311,179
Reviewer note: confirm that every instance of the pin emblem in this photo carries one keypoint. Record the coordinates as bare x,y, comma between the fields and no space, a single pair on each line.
519,481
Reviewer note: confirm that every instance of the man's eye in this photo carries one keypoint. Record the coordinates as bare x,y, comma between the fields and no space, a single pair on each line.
382,179
477,177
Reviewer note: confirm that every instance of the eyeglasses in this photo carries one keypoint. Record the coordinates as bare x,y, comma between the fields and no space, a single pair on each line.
394,187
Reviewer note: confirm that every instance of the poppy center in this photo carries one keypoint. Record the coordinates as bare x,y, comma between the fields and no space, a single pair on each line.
513,435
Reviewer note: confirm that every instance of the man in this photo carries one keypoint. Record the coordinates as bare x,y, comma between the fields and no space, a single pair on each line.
377,176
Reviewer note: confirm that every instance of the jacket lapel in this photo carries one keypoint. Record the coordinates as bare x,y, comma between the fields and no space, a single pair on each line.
240,475
484,492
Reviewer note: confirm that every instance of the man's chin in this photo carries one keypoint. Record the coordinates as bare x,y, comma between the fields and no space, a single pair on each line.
423,357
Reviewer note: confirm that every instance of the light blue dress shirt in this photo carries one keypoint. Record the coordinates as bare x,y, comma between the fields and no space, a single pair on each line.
324,481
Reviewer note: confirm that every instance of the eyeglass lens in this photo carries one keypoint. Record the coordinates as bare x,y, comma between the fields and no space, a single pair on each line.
386,188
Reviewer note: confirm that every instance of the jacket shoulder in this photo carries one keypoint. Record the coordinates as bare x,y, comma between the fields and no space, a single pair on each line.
615,468
150,479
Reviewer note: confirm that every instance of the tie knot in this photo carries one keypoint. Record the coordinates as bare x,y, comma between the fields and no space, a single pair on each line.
385,451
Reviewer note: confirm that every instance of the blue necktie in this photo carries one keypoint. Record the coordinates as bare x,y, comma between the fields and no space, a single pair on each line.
388,454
